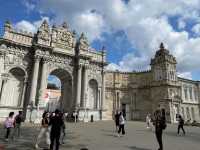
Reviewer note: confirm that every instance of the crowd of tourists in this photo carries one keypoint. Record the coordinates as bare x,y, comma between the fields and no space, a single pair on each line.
156,122
53,127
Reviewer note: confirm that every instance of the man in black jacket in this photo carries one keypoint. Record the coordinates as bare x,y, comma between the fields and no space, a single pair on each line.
160,125
180,124
56,123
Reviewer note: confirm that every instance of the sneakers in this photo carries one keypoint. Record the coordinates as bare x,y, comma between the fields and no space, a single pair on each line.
36,146
6,140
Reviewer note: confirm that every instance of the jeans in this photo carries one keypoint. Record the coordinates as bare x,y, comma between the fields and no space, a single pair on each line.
181,127
9,133
121,128
55,137
41,134
17,129
159,138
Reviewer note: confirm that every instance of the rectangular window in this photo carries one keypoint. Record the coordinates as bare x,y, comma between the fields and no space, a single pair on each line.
190,91
185,92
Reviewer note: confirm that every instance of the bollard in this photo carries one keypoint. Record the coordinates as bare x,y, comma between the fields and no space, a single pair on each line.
92,118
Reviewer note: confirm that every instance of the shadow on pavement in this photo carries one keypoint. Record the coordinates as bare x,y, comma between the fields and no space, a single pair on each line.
137,148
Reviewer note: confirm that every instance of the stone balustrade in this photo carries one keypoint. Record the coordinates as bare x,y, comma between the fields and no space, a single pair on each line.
19,37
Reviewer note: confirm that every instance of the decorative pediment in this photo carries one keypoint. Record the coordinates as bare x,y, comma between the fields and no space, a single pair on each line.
43,34
62,37
83,42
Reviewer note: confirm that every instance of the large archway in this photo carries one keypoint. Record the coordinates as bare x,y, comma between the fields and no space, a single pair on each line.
13,88
62,101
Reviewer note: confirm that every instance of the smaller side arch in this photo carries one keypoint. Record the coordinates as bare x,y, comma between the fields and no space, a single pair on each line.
93,98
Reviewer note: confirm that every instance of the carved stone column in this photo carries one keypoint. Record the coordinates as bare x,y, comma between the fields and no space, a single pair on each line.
78,86
34,80
43,84
21,103
1,68
85,85
2,54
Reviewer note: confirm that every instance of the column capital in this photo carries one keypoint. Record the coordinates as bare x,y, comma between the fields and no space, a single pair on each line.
37,57
86,66
45,59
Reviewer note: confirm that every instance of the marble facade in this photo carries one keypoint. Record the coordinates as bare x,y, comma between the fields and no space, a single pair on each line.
27,59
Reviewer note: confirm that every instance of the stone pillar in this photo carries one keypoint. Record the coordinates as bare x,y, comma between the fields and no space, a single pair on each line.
85,87
78,87
34,80
43,83
1,67
21,103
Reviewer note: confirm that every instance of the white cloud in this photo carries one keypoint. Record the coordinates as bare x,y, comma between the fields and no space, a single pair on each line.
113,67
196,29
25,25
29,5
91,23
187,75
146,24
181,24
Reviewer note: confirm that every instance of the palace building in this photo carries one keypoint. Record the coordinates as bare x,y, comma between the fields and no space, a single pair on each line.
87,88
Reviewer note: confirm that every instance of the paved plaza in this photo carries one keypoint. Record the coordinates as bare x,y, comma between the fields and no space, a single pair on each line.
101,136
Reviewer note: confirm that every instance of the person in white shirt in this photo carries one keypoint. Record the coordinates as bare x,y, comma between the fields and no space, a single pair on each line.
121,124
148,120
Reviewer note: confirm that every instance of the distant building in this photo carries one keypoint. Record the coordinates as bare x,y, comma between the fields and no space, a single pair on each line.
139,93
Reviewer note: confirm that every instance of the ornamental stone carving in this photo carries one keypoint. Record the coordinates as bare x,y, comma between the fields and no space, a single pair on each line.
62,37
43,34
83,42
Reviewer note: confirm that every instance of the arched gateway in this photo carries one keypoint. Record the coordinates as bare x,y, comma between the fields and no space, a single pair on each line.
27,59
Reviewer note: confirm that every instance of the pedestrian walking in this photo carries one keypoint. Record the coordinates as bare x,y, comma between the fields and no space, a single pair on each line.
160,125
56,123
18,121
117,121
121,124
44,130
180,124
9,125
62,136
148,120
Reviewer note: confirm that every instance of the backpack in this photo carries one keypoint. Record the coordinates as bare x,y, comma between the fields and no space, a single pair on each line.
18,119
163,124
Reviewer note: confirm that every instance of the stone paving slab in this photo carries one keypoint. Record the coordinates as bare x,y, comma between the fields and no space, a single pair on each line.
102,136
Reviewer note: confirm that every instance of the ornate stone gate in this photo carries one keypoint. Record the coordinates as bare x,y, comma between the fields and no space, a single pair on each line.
27,59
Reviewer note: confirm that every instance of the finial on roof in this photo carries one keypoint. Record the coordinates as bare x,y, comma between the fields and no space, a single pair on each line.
103,48
54,26
64,25
7,25
162,45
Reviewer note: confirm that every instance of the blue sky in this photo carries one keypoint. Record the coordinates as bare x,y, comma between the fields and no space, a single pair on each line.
131,30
